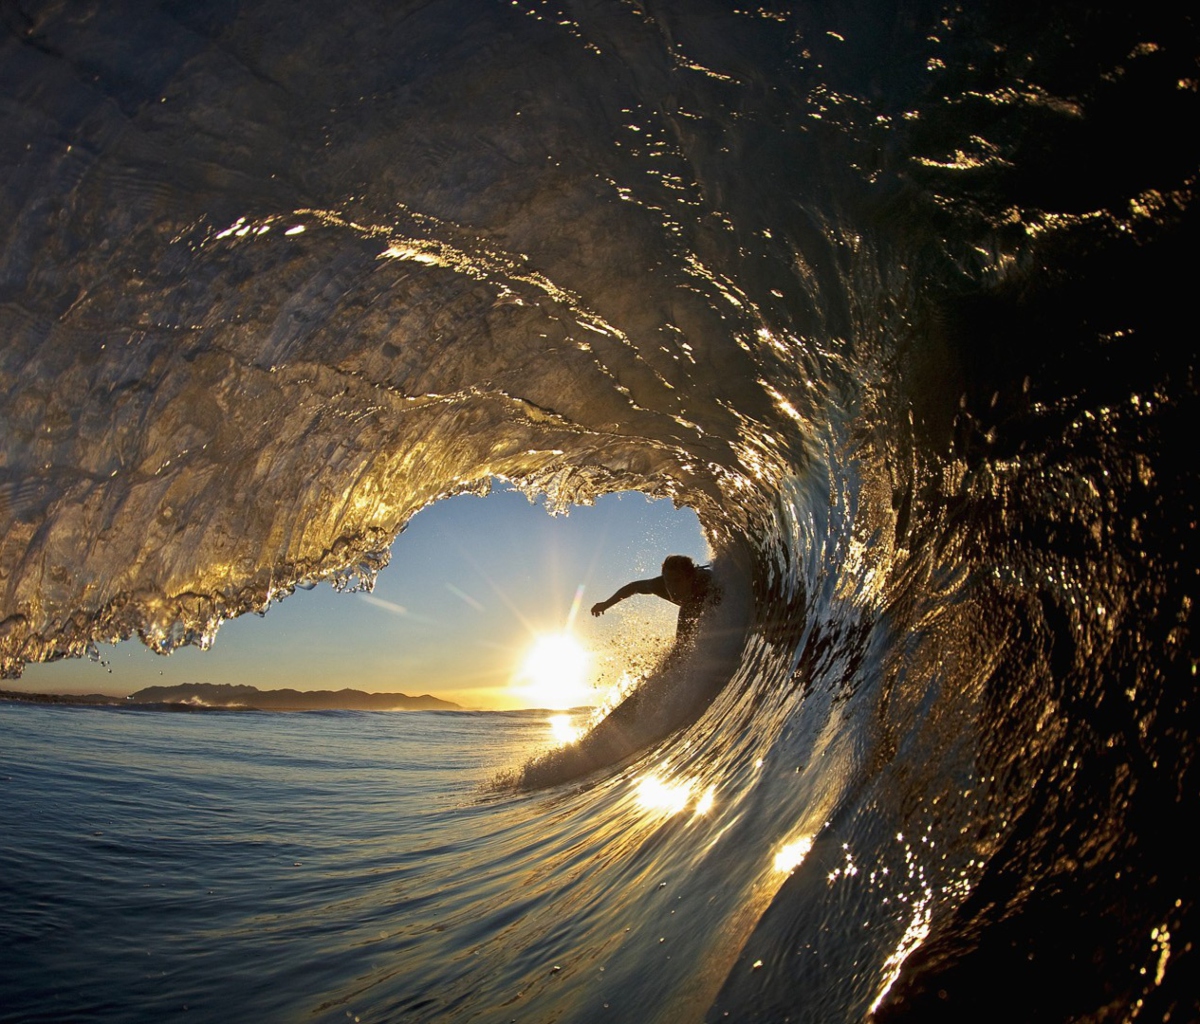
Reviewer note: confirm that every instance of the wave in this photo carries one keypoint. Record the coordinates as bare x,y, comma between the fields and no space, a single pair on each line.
889,295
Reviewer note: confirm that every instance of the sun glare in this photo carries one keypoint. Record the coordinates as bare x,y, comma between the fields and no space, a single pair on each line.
564,730
554,673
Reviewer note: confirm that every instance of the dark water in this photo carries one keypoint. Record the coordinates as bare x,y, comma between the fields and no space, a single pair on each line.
896,296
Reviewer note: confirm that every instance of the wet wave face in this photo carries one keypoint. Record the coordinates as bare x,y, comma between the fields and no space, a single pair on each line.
896,297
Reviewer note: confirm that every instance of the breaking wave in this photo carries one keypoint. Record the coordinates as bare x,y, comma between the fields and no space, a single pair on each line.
889,294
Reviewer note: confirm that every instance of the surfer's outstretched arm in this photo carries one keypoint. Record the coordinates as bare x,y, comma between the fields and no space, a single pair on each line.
655,586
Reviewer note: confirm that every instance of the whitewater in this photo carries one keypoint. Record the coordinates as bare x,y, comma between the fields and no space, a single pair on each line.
895,296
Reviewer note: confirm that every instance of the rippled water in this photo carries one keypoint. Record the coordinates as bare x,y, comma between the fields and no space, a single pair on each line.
891,295
241,866
256,866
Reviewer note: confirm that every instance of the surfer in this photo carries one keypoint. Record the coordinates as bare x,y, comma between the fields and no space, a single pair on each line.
682,582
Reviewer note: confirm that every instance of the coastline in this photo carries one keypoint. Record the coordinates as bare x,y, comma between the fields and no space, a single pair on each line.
87,699
224,697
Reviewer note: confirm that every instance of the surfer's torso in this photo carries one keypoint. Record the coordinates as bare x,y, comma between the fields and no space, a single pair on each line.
691,597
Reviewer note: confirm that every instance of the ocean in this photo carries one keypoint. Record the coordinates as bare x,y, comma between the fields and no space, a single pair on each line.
253,866
351,865
894,295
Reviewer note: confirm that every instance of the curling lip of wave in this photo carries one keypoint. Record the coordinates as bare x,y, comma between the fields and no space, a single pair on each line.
902,331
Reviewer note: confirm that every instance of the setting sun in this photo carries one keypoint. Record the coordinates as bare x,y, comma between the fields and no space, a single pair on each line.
554,673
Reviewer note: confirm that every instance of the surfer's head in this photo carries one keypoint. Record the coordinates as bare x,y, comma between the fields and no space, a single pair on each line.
679,577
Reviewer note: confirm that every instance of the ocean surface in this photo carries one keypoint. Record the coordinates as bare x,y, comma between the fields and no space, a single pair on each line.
897,296
255,866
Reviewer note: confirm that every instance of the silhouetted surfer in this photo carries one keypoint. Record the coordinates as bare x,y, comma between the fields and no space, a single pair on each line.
683,583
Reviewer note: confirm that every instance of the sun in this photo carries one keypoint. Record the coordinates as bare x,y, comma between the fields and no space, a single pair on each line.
554,673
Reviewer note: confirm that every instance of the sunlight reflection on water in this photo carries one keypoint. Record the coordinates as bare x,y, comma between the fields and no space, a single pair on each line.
667,796
563,731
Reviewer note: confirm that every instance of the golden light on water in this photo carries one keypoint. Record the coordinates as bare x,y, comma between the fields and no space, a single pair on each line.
563,731
554,673
792,855
655,793
914,935
666,796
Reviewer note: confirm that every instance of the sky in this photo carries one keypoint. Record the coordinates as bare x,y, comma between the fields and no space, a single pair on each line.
472,584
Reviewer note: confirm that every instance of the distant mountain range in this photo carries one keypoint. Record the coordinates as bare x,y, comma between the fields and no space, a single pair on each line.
224,695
